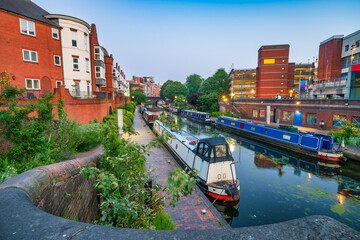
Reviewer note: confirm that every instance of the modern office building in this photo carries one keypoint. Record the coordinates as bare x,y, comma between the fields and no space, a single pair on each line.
242,83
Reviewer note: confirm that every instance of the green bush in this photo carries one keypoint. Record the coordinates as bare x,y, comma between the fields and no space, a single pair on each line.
6,173
216,114
89,135
163,221
349,133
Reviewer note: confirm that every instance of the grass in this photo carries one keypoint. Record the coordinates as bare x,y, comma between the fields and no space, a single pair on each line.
163,221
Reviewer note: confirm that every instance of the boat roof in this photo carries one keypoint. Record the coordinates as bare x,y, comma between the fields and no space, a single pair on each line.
214,141
150,113
196,111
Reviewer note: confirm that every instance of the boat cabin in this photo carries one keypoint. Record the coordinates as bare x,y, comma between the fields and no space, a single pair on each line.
213,150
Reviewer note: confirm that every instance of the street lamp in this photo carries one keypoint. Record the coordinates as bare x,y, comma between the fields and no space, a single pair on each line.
232,104
126,94
291,92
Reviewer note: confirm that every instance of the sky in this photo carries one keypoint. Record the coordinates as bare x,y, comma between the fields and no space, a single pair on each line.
172,39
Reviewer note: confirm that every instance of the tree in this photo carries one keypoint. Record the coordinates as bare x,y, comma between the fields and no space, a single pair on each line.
181,101
138,95
193,83
193,97
206,102
218,83
170,89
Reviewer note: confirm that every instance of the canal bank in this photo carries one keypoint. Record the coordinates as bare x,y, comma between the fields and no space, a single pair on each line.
188,214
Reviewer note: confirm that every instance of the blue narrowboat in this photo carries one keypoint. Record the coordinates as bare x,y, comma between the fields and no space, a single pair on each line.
306,143
196,116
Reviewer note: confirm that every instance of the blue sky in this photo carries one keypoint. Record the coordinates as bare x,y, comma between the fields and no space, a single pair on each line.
175,38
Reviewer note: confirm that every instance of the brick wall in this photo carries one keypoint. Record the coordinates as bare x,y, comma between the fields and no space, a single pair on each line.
329,65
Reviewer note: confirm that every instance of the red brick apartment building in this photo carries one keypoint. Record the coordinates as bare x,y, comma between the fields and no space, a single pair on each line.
30,47
31,52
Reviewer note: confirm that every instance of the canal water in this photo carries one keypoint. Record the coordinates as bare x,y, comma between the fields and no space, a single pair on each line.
276,187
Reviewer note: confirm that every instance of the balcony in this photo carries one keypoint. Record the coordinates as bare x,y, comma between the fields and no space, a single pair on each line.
99,63
100,82
81,94
252,85
244,92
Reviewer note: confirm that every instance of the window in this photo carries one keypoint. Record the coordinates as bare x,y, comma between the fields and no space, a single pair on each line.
255,113
286,137
357,43
109,95
27,27
266,132
283,68
30,56
356,121
32,84
87,65
286,116
97,53
346,48
282,76
281,90
75,64
57,61
339,121
85,42
58,83
311,118
77,89
262,114
55,33
88,89
220,151
252,128
73,41
282,83
283,60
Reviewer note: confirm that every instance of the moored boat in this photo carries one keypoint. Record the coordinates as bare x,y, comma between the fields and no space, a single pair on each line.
196,116
210,157
307,143
149,118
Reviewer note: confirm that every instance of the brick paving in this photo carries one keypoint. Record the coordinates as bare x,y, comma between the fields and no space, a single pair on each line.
187,214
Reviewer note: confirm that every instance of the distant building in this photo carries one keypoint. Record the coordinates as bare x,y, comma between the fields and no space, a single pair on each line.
274,74
242,83
120,84
338,68
146,84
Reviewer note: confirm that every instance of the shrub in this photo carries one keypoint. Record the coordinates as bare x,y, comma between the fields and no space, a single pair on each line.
8,172
348,132
163,221
89,136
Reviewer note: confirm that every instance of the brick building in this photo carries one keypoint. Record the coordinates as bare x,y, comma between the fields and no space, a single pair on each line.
272,74
30,47
146,84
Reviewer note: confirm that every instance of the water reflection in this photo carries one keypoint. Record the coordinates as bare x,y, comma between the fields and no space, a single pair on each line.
278,185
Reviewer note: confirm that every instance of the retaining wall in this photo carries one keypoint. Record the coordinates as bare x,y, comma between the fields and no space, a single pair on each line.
24,196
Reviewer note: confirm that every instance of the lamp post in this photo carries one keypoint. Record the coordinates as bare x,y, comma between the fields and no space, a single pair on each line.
232,104
126,94
291,92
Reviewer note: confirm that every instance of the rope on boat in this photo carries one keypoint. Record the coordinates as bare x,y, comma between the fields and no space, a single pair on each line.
218,196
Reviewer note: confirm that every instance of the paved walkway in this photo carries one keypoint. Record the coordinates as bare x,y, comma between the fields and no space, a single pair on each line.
187,215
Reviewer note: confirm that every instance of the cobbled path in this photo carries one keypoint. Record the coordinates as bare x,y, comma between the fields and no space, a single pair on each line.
187,214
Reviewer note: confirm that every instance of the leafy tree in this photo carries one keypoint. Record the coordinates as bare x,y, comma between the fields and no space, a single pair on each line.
193,97
206,102
218,83
138,95
170,89
193,83
181,101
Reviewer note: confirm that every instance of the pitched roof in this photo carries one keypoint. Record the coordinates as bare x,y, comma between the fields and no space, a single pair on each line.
26,8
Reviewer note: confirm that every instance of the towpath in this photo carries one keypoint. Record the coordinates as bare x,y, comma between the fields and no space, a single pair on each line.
187,215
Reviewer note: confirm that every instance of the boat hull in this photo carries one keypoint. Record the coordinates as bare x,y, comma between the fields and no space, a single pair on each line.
197,120
325,157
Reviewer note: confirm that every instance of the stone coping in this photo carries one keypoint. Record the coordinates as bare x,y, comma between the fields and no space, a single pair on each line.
21,219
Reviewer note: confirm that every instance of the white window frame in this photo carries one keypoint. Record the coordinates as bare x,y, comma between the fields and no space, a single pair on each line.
59,82
75,63
30,60
74,38
57,33
55,60
85,42
27,27
32,84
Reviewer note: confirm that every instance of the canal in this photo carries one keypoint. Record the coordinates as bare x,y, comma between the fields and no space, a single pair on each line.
276,186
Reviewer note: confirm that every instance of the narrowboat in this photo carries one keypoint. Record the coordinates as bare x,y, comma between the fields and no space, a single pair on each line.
306,143
175,110
196,116
142,109
210,157
149,118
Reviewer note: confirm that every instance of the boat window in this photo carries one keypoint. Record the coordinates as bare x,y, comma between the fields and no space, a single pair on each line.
206,150
232,123
252,128
200,148
220,151
266,132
